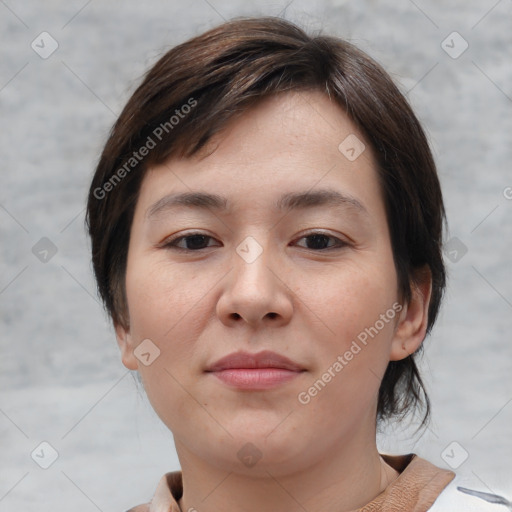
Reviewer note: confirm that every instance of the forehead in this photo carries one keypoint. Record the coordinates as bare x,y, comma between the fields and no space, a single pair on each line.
285,143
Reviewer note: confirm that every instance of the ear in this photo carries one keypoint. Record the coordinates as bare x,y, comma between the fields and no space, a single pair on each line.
412,325
125,342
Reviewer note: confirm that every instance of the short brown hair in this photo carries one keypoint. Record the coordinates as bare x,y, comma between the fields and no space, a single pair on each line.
220,74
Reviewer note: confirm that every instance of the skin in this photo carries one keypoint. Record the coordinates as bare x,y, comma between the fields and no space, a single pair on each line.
296,299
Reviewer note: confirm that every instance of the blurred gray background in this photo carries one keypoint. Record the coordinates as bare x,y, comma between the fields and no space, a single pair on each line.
61,378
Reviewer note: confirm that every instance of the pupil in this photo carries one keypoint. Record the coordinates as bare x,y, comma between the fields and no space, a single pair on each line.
197,241
316,239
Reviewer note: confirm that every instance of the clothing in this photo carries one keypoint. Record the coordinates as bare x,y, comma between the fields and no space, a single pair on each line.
418,486
453,500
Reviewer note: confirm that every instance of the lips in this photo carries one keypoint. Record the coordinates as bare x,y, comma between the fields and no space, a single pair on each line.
245,360
260,371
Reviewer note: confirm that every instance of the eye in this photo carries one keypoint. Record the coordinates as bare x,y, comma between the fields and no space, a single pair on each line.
191,242
316,241
320,241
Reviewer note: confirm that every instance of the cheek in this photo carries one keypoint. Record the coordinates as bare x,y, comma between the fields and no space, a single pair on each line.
355,308
165,306
347,300
168,307
161,300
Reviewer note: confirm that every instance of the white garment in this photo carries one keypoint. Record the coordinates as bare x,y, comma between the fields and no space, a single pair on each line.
453,500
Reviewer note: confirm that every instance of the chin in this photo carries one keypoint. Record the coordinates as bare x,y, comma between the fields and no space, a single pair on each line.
259,452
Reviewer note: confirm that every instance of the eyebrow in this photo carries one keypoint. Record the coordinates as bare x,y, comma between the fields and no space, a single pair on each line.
287,202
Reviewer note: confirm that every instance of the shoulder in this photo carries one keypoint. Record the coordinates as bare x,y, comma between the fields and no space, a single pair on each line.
168,491
454,500
140,508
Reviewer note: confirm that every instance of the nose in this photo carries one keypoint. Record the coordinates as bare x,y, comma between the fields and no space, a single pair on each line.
256,294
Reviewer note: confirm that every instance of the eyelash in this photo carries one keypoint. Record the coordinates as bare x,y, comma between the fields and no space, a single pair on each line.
171,243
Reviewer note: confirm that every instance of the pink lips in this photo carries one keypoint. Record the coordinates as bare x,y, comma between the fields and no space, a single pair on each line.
263,370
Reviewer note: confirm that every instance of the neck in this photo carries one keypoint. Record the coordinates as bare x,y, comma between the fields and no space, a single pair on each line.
342,481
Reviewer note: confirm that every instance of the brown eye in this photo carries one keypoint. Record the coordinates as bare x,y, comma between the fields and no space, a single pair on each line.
321,242
191,242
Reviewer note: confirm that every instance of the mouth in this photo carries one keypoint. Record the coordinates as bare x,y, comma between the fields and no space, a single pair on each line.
260,371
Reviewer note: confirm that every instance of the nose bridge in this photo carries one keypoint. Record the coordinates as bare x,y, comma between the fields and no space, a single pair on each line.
251,263
254,291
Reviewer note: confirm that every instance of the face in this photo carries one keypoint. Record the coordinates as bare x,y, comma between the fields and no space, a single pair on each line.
290,257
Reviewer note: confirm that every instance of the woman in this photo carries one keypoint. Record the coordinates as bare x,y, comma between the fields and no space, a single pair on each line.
266,225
